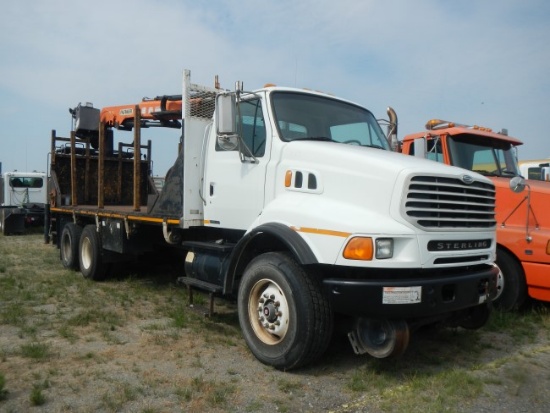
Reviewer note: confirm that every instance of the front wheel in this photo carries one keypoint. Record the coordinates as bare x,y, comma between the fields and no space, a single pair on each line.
477,317
512,288
285,317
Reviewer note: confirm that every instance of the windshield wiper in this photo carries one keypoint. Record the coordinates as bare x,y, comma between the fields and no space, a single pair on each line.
313,138
485,173
375,146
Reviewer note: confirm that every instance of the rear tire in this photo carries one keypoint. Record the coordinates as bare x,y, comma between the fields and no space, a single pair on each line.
514,287
69,246
91,254
285,317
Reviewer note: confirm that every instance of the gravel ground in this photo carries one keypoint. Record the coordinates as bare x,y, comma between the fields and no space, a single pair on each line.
128,356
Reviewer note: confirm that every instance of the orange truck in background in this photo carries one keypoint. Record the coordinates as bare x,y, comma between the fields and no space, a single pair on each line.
523,221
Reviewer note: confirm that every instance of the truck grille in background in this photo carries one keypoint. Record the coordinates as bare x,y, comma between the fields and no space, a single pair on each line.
438,203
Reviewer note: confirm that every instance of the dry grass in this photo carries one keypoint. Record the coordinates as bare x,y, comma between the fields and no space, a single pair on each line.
131,344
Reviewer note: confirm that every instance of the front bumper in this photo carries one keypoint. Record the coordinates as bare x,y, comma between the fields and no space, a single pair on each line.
412,298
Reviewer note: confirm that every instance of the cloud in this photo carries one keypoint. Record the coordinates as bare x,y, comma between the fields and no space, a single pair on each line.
476,62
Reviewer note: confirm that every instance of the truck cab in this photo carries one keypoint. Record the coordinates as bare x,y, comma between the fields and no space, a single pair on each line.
523,225
23,196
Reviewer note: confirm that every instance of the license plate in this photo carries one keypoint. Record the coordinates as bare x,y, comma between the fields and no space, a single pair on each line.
402,295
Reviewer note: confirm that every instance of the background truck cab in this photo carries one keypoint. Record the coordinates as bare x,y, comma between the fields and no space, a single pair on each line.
523,221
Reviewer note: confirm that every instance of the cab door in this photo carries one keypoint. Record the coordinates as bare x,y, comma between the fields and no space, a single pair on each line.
235,176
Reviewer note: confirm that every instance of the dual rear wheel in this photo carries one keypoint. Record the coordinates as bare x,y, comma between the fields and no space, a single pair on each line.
80,248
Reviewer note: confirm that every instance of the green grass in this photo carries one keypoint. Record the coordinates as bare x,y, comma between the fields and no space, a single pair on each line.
3,391
36,351
37,397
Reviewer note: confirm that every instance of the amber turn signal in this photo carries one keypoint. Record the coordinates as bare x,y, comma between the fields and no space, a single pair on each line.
359,248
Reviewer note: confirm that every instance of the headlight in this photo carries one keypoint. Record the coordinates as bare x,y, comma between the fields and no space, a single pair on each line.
384,248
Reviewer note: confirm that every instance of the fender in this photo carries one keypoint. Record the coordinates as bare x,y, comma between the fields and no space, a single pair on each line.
266,237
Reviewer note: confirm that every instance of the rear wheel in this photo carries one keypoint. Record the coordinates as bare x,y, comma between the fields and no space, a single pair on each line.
91,254
285,317
69,244
512,286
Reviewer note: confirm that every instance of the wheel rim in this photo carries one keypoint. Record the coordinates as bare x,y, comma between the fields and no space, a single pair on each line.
268,312
86,252
383,338
500,283
66,247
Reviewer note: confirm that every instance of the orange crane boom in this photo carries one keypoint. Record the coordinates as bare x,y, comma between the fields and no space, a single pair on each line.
164,111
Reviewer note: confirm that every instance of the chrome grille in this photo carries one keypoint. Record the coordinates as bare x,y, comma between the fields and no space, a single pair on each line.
443,203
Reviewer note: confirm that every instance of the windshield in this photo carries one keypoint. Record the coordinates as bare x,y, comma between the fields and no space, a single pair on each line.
487,156
301,116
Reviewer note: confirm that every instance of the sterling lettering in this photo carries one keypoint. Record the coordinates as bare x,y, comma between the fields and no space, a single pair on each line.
459,245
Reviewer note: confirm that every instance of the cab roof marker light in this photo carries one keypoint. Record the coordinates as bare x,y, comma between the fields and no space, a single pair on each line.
434,124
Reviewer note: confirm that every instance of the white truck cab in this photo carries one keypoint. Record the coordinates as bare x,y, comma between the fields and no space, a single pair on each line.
386,236
23,196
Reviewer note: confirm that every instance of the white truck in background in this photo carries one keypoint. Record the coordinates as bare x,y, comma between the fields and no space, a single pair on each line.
538,170
289,200
23,196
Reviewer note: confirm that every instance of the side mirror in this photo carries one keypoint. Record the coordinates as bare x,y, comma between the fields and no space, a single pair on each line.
419,147
517,184
226,122
226,109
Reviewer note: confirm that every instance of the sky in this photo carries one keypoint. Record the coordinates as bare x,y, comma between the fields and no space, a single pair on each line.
481,62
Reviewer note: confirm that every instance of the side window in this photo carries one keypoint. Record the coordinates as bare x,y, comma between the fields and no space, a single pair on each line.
253,126
434,151
250,120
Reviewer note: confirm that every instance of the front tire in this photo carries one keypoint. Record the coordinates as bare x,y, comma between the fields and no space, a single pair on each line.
513,285
91,254
477,317
285,317
69,244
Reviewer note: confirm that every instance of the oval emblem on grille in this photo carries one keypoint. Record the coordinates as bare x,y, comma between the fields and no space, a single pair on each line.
467,179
